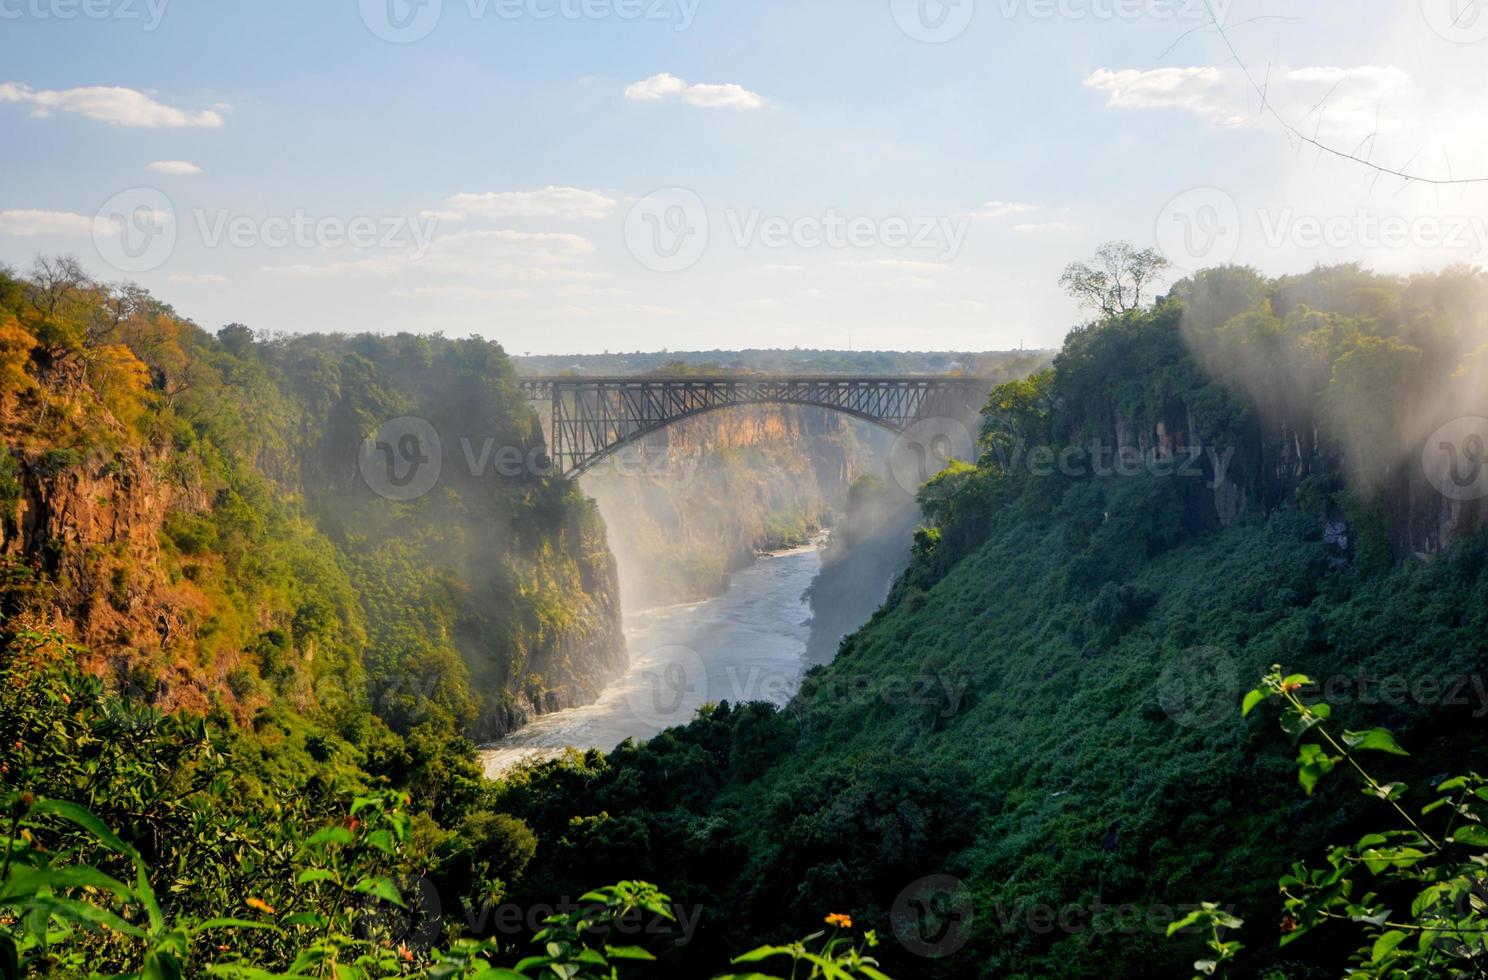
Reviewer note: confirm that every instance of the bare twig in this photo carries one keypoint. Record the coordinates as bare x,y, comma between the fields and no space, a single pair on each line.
1403,173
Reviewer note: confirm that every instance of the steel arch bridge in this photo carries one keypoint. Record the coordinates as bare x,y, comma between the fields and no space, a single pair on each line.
593,417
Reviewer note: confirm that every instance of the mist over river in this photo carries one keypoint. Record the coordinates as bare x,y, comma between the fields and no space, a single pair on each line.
746,644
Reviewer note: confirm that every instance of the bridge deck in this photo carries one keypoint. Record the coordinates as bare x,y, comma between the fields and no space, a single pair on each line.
593,416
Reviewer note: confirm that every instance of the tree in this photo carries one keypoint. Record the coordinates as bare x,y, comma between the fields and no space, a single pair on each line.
1114,283
15,356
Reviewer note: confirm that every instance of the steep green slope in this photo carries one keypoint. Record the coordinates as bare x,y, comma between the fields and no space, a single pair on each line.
1046,708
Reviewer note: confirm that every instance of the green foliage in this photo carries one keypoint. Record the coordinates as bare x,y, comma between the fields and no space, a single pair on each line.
1418,897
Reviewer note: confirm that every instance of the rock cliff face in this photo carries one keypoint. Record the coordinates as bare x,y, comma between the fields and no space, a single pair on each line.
201,575
81,550
1278,463
696,500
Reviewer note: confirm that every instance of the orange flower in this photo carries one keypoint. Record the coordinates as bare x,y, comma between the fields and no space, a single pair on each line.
260,905
839,920
406,953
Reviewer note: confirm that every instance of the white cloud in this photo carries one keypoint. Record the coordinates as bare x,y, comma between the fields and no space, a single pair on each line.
1001,209
1351,97
550,202
667,86
32,222
180,168
111,104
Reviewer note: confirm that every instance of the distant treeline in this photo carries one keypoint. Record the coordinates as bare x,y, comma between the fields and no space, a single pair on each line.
999,365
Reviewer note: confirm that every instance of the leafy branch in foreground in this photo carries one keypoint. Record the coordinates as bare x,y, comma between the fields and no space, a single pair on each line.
1423,907
839,957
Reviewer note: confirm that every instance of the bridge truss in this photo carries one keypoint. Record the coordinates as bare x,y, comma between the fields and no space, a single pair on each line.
593,417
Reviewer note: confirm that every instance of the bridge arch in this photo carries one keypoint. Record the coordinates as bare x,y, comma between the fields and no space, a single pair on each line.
594,417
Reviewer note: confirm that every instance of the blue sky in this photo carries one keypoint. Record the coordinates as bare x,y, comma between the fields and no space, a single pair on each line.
503,164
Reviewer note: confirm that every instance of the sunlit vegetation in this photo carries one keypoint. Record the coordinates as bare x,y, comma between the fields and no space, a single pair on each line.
261,760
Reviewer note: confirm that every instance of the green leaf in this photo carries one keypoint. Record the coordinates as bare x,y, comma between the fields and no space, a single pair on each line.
1473,835
310,875
383,888
87,820
1253,699
763,953
1375,740
628,953
1385,945
330,835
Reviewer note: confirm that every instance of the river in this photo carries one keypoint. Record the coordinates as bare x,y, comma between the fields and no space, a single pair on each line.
747,644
